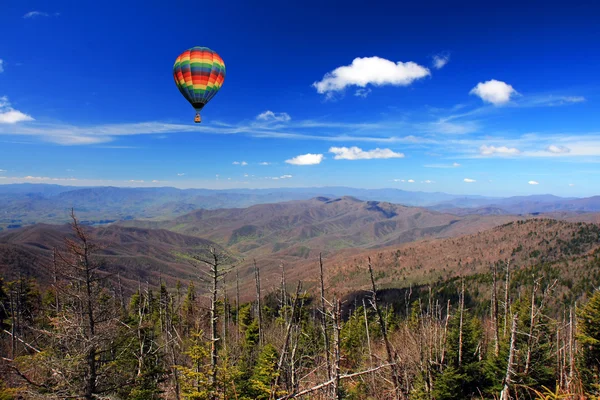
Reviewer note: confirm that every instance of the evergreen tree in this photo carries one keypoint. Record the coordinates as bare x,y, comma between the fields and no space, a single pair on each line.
589,337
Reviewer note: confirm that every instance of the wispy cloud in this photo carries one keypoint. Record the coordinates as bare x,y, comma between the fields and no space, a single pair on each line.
306,159
533,183
371,70
9,115
35,14
453,165
264,163
411,181
557,149
272,116
440,60
1,65
181,174
495,92
362,92
242,163
469,180
356,153
485,150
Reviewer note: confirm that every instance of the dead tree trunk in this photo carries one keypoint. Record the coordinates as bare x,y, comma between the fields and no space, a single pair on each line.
494,311
216,261
286,341
506,296
237,305
388,347
258,305
324,318
530,338
460,327
505,393
336,345
445,339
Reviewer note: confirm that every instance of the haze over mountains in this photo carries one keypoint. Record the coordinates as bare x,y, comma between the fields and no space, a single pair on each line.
26,204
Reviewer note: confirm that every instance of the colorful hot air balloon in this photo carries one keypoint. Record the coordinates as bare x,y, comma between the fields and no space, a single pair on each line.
199,74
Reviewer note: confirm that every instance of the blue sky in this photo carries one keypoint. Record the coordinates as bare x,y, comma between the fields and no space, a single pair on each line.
461,98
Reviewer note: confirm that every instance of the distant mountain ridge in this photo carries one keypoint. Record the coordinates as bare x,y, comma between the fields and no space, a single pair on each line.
289,230
27,204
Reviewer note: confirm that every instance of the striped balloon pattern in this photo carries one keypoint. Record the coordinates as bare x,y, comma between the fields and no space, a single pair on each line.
199,74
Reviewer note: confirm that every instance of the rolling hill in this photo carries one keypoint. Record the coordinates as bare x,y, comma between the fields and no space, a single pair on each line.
298,229
137,255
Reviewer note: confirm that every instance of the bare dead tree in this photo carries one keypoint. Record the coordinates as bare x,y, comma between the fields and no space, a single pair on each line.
505,393
324,318
460,326
384,334
258,305
506,296
532,316
237,304
445,338
286,341
337,328
218,266
494,310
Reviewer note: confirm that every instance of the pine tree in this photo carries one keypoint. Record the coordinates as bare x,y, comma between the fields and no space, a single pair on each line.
589,337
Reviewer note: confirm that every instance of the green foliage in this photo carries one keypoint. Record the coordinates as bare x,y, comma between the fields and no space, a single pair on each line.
589,337
264,374
462,378
195,384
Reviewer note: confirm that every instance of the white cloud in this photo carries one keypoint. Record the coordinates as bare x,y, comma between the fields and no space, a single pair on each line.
493,91
428,181
362,92
2,171
485,150
469,180
285,176
557,149
371,70
181,174
271,116
571,184
440,60
1,65
455,165
306,159
9,115
356,153
242,163
264,163
34,14
411,181
136,181
155,181
533,183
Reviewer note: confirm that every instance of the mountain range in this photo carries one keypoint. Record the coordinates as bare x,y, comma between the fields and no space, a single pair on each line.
27,204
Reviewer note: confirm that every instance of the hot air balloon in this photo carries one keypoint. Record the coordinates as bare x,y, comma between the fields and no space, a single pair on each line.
199,74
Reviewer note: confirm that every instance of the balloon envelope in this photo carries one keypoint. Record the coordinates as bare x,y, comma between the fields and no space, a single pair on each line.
199,74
